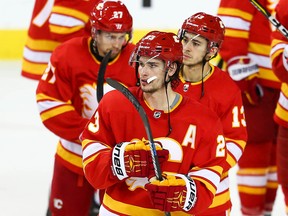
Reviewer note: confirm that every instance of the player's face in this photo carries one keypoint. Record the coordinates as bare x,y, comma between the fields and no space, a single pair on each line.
149,68
107,41
194,49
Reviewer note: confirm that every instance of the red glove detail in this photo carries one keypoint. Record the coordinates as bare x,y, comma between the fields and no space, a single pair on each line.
251,89
133,159
175,193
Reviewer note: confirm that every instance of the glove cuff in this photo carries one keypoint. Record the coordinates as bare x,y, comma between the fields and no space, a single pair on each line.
285,57
191,196
240,67
118,164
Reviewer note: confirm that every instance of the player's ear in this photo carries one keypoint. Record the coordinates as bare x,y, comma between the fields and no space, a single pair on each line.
212,53
172,69
214,50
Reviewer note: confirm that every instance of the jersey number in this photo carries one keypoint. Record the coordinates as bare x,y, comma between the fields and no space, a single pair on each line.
94,127
238,117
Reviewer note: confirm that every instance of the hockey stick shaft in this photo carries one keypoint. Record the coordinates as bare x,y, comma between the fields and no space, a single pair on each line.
271,18
145,120
101,74
146,123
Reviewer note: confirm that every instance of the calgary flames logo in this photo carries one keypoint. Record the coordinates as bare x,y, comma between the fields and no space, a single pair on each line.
88,94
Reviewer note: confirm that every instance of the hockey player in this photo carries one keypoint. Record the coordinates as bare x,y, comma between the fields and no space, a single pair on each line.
66,98
279,56
53,22
190,131
202,35
245,52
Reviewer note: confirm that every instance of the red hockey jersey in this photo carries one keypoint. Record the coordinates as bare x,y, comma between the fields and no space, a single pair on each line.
66,93
52,23
278,44
223,96
248,34
192,144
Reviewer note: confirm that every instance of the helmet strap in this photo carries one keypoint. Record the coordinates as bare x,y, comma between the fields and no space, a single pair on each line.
167,98
167,67
136,70
129,39
168,108
94,50
204,61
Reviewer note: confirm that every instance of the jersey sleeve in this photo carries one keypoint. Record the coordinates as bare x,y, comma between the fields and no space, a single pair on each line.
96,153
242,23
210,163
70,19
234,127
39,44
279,42
237,18
53,96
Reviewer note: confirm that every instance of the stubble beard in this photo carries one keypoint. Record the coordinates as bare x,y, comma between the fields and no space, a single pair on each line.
192,64
148,90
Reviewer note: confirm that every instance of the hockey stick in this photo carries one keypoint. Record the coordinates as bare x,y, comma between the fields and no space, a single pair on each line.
101,73
146,123
145,120
271,18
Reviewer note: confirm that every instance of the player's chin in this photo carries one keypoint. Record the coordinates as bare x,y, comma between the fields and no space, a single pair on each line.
114,53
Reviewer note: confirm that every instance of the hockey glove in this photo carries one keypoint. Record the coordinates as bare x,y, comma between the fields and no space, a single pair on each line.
174,193
133,159
285,57
245,73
